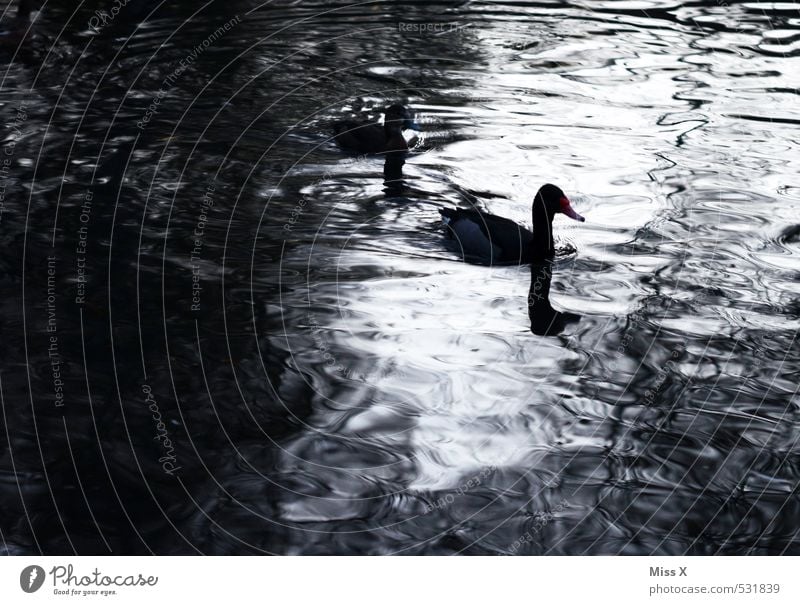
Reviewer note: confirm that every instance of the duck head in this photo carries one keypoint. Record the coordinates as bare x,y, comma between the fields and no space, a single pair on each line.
398,117
549,201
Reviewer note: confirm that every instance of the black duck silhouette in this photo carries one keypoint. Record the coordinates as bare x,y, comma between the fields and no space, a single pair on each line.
491,239
545,320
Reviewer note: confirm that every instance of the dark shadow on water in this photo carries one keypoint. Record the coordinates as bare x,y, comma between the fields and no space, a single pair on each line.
393,173
545,320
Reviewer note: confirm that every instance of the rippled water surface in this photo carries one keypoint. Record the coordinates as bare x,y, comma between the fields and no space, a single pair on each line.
186,245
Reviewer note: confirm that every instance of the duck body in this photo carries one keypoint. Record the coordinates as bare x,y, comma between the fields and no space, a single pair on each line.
487,237
364,138
492,239
371,138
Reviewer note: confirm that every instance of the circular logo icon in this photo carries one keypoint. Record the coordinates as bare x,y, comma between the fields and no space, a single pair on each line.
31,578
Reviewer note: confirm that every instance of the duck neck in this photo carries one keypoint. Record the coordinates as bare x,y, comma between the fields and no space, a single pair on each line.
394,137
541,276
542,243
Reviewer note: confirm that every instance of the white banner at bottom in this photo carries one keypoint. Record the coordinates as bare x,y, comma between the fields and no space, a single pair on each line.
400,580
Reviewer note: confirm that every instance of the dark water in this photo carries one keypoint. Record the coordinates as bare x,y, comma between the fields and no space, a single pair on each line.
330,378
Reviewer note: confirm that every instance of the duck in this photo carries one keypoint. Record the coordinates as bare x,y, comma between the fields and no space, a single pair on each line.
371,137
492,239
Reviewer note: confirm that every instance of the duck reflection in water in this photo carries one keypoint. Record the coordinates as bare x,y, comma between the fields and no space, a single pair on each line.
545,320
393,173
